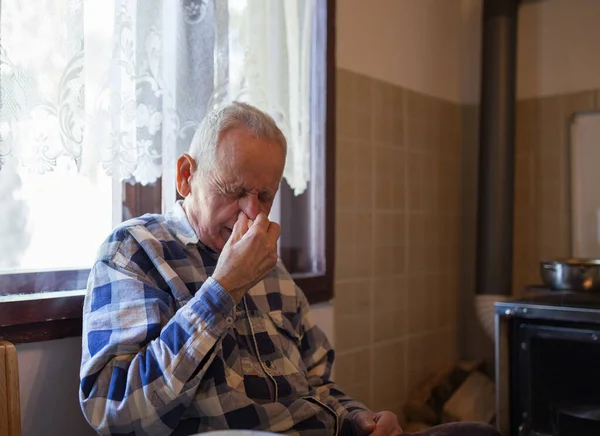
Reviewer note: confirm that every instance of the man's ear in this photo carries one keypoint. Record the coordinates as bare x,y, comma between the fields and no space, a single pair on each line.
186,166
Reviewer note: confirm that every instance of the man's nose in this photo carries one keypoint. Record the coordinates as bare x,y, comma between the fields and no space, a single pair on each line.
250,206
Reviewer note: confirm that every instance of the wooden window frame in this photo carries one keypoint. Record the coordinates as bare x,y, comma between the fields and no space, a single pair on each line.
25,317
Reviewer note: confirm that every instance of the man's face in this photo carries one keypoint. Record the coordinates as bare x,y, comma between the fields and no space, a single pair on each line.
246,178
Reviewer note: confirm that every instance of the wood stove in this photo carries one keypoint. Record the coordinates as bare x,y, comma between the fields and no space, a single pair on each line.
548,364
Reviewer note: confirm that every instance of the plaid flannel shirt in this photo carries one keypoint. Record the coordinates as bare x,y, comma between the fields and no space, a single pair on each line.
167,351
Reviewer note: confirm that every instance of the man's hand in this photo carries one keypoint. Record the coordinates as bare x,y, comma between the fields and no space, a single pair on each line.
377,424
248,256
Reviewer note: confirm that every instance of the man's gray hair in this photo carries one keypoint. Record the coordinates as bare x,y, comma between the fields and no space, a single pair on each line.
205,142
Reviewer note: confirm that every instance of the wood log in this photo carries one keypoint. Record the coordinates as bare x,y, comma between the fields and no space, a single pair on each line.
426,402
469,366
473,401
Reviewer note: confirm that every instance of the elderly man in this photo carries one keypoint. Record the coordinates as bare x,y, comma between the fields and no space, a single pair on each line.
190,323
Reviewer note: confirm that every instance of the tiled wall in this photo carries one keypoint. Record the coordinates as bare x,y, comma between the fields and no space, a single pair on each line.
541,182
405,227
405,214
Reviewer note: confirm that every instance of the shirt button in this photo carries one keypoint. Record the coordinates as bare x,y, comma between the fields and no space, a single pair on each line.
229,320
268,363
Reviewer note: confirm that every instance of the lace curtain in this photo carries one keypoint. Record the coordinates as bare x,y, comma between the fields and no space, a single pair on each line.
123,84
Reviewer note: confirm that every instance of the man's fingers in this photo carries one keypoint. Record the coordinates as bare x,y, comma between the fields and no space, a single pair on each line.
387,424
381,430
364,422
274,230
241,226
261,222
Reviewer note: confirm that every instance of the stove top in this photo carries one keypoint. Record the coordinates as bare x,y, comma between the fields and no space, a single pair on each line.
543,295
543,303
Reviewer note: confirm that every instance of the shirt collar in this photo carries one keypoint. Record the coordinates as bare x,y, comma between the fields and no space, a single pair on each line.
179,224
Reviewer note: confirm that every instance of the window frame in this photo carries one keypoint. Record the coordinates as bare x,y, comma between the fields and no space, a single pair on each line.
26,316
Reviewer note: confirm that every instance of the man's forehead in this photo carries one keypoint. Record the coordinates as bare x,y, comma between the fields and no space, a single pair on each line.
238,181
243,178
250,150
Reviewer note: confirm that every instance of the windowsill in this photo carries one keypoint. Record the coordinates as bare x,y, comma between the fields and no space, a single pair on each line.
45,316
41,316
41,296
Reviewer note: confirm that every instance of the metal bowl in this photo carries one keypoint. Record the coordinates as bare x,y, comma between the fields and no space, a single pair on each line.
581,275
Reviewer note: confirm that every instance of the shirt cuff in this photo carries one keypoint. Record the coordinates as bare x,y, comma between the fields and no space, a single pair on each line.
216,286
214,307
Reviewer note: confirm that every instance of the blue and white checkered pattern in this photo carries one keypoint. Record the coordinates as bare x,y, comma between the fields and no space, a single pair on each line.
167,351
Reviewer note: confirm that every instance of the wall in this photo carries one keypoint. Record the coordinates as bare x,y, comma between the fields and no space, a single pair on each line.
405,192
424,56
558,47
542,186
399,237
558,74
403,42
324,317
49,382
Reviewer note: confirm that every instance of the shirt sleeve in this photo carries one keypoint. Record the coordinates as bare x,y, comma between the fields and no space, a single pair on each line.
142,360
318,357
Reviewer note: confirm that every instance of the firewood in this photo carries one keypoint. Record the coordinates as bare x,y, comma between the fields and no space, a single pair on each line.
426,402
473,401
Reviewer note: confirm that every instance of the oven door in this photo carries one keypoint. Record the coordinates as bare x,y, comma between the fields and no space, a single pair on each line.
556,373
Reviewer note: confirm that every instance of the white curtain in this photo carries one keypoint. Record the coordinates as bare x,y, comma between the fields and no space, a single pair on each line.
123,84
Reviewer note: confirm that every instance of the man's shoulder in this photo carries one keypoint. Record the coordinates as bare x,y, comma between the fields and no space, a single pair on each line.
146,231
149,221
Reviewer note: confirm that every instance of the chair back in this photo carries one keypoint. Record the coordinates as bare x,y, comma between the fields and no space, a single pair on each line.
10,408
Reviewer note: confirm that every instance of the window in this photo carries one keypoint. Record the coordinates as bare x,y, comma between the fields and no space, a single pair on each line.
93,116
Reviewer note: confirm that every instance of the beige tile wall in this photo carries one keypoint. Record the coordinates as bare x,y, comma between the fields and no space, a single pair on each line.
402,204
541,227
405,227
